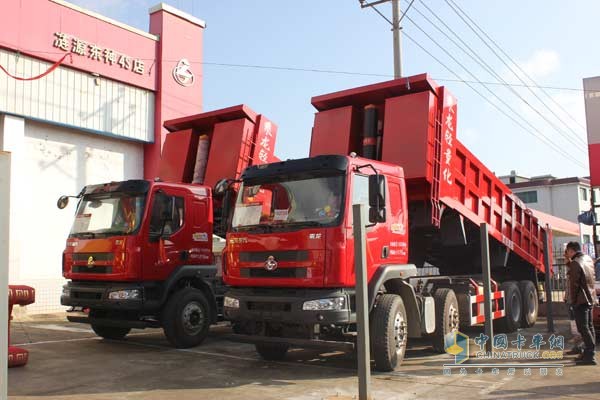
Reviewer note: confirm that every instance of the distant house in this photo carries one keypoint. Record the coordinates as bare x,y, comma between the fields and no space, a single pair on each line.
565,198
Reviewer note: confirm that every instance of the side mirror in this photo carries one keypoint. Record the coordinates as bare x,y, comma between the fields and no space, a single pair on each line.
62,202
376,198
225,189
221,187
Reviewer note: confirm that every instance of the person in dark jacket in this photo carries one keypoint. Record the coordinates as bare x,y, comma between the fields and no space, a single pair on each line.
582,298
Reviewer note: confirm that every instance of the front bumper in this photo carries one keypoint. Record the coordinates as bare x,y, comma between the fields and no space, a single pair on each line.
94,295
285,306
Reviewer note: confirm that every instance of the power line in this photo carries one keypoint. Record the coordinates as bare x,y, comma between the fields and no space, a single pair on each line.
472,75
328,71
542,138
282,68
519,67
479,60
533,132
453,5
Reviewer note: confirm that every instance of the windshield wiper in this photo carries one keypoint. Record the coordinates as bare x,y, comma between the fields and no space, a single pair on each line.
261,227
307,223
112,232
296,224
86,235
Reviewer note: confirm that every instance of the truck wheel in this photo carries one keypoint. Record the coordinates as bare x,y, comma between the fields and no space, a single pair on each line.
464,310
186,318
446,317
513,307
389,332
110,332
272,352
530,303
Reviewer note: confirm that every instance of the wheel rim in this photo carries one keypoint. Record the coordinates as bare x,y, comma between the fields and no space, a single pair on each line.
399,332
515,306
453,320
531,303
193,318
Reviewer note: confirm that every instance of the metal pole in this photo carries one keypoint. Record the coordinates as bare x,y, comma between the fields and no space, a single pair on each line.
362,302
548,284
4,246
487,285
595,226
396,28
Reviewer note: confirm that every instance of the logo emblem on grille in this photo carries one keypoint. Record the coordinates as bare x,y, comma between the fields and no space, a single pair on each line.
271,264
91,261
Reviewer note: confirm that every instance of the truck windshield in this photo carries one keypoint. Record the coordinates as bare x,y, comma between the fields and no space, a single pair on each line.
290,202
108,214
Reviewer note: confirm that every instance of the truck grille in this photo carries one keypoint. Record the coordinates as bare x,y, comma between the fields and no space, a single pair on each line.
261,256
83,257
268,306
86,295
278,273
97,269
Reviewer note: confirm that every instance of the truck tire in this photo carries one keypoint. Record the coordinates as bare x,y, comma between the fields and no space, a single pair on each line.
186,318
389,332
110,332
446,317
530,303
272,352
464,310
513,307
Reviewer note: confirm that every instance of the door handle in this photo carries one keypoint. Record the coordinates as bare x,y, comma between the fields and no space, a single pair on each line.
184,255
385,252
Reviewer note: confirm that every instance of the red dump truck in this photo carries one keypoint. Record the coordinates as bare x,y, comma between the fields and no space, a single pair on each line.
289,256
141,254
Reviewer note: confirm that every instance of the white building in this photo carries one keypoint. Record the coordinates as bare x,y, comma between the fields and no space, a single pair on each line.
565,198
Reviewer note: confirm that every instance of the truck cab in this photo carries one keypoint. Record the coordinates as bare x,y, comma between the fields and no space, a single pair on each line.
290,250
130,242
292,227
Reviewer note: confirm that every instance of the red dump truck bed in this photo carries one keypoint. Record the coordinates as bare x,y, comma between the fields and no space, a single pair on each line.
236,136
418,133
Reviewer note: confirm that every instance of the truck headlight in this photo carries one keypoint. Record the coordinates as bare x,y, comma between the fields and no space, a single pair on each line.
230,302
66,291
331,304
129,294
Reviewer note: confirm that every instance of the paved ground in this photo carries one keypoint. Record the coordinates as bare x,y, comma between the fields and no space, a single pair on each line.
68,362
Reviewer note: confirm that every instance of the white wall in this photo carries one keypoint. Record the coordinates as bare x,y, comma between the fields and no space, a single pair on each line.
52,161
5,168
565,201
75,98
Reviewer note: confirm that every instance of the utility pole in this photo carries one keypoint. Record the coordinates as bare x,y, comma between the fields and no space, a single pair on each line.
362,301
396,30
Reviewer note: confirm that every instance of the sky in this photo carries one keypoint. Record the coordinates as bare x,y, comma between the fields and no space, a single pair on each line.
526,116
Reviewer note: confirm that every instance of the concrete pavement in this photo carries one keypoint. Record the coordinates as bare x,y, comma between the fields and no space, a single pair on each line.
68,362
